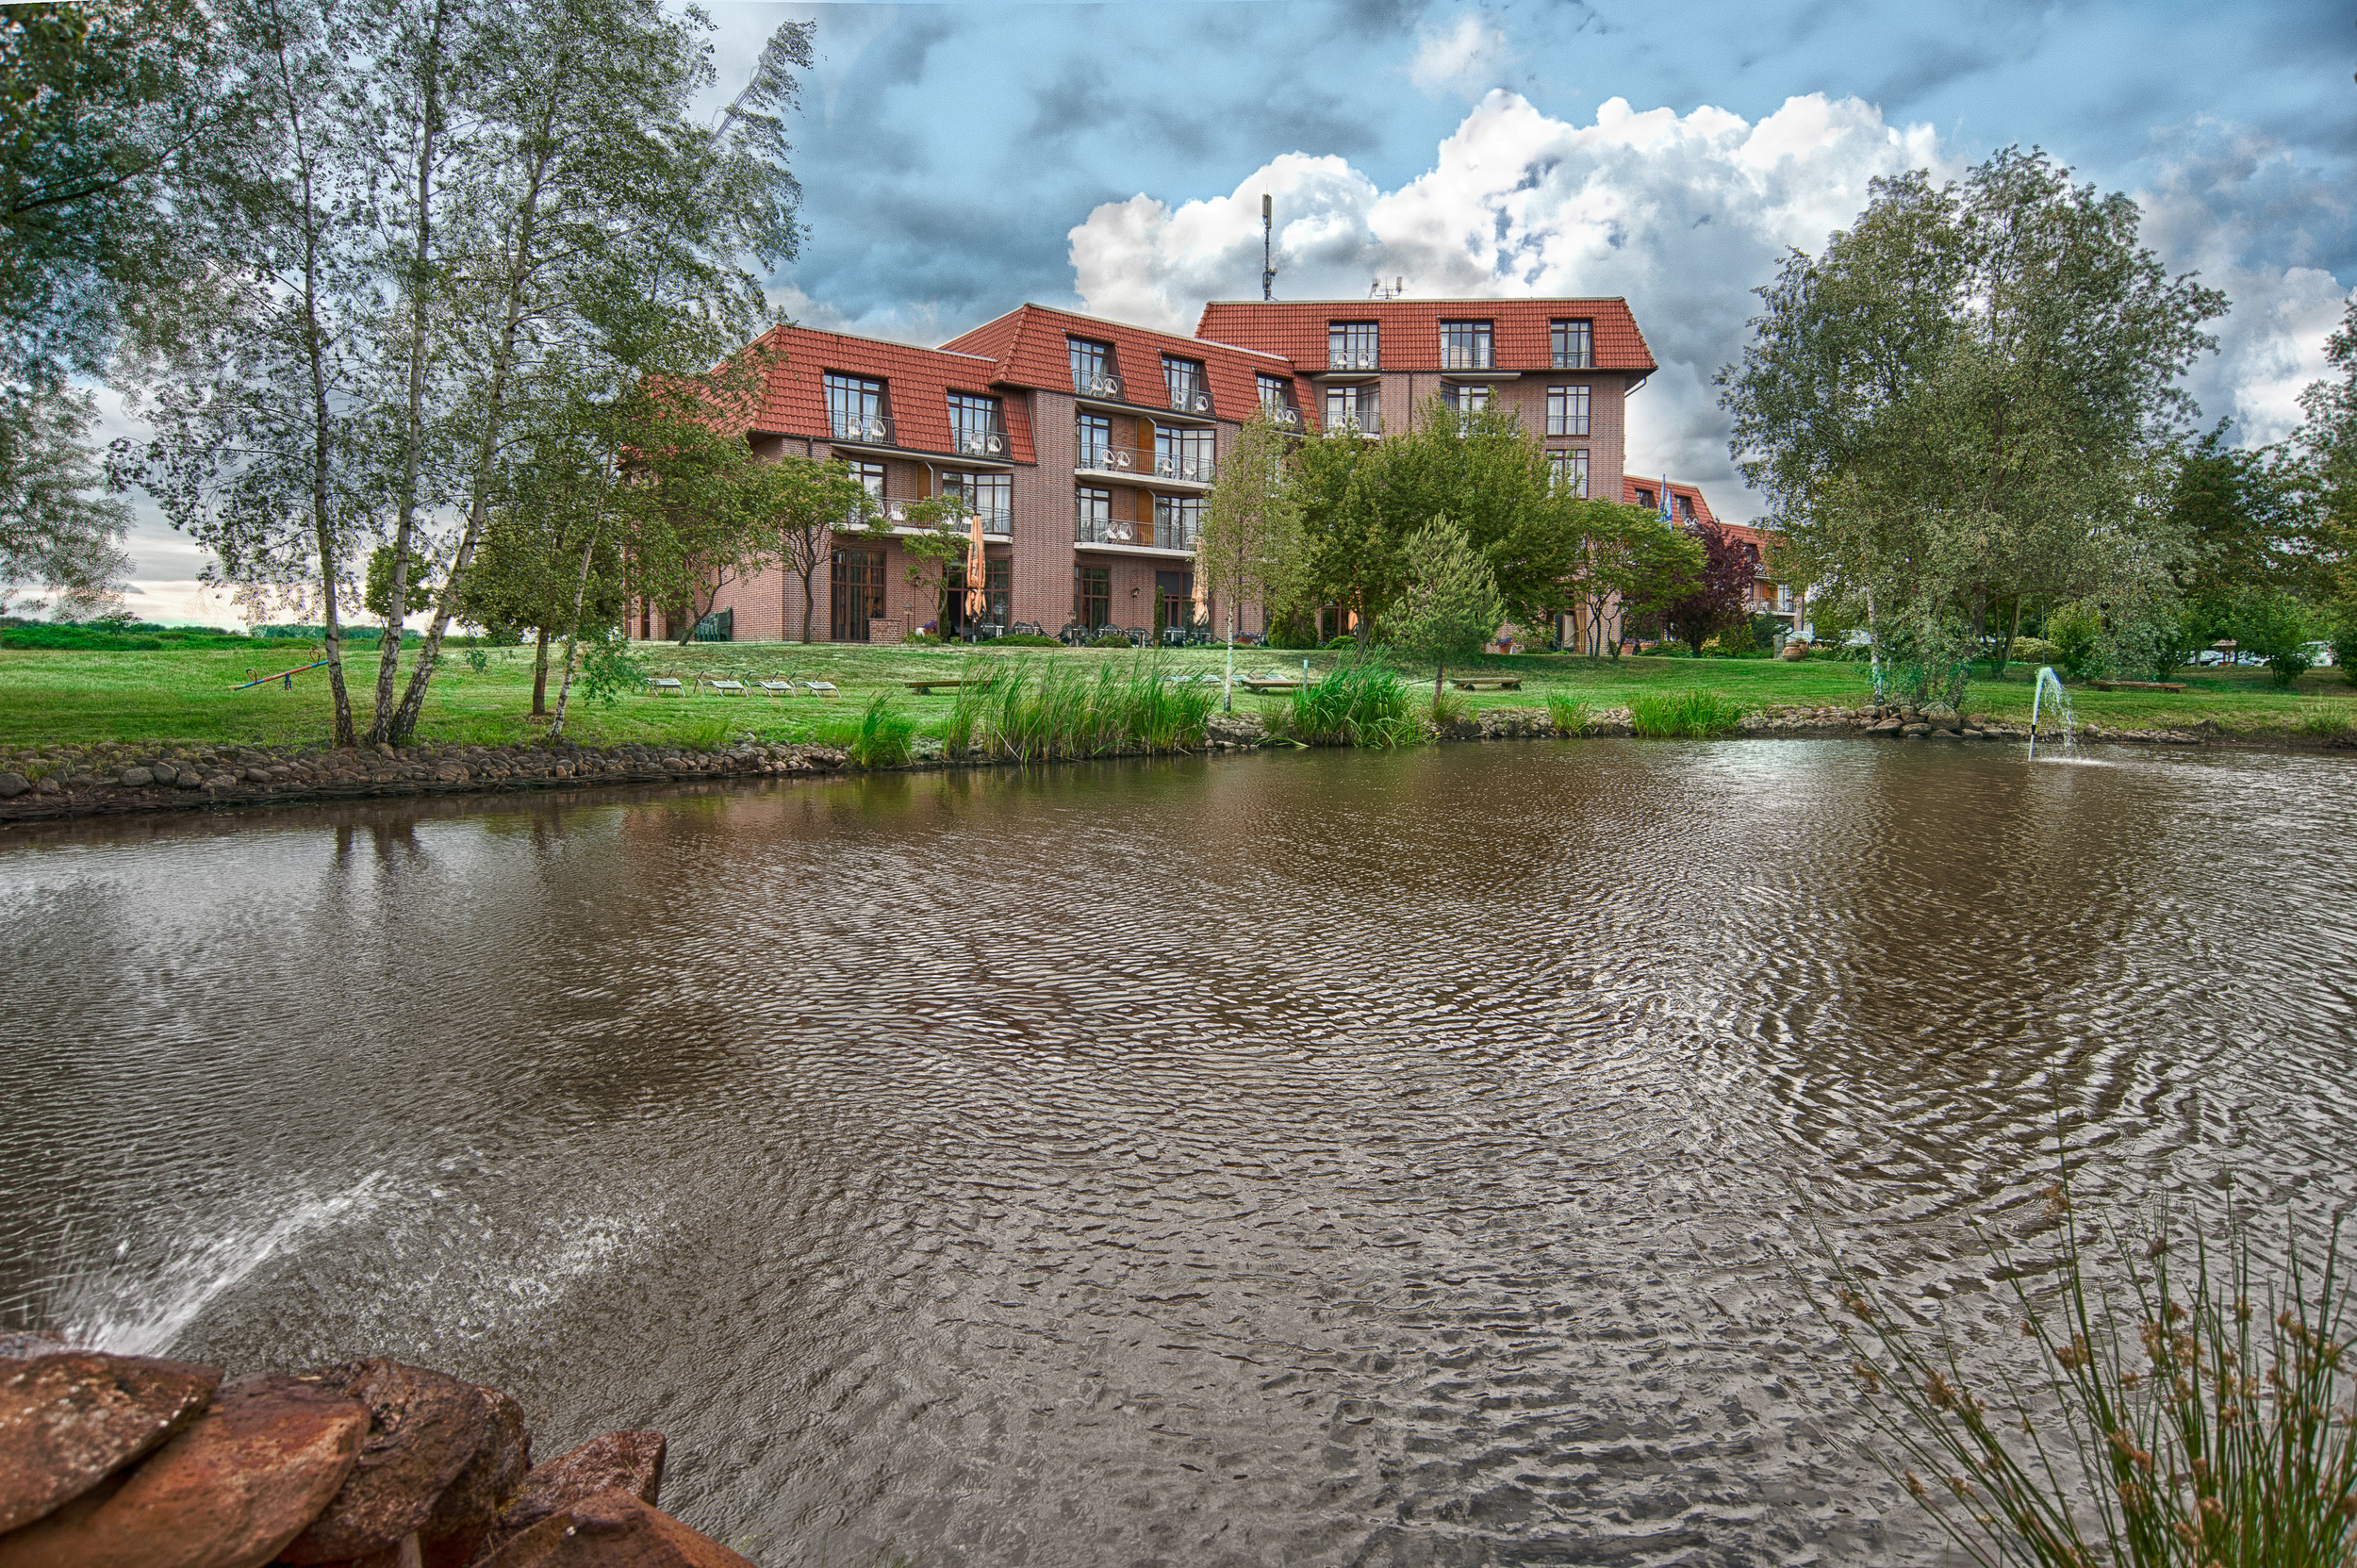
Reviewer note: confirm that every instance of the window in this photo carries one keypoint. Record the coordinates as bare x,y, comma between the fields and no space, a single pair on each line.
1466,400
855,593
1092,596
974,427
1465,346
1183,454
1093,520
855,409
1354,407
1176,519
1351,346
1276,399
1567,410
1184,378
1093,372
1574,345
1093,434
988,496
871,479
1645,496
1569,470
1686,510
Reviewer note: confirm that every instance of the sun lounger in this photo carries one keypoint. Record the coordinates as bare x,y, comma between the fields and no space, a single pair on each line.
819,689
724,686
658,685
776,688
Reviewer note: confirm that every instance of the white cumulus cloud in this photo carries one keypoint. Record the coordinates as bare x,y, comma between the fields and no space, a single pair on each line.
1683,215
1464,55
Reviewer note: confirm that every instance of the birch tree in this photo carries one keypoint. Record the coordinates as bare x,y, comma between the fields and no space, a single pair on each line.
1251,546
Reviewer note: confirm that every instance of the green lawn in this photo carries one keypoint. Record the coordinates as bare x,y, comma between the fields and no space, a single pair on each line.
77,697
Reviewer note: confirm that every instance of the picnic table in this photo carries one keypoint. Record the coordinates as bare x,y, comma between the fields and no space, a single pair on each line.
1487,682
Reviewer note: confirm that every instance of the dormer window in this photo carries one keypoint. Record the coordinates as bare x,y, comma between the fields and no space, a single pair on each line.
855,409
1573,345
1093,372
1189,394
1351,346
975,428
1465,346
1276,399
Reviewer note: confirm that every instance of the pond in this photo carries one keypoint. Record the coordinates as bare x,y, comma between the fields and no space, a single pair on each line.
1315,1157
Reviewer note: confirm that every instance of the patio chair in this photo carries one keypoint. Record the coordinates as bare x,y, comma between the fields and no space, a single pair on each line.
1139,637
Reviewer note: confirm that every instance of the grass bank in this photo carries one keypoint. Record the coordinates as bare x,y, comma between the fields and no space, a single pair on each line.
79,697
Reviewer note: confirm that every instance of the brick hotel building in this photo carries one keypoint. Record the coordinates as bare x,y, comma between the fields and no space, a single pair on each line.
1088,447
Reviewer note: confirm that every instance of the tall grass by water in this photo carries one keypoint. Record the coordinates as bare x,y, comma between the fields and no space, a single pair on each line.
1358,704
884,737
1040,711
2191,1417
1689,715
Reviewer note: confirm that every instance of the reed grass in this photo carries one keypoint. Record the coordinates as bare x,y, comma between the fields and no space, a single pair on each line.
1689,715
884,737
1568,716
2186,1419
1026,711
1358,704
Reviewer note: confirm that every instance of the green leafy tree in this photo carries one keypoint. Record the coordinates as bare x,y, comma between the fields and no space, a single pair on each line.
376,595
1965,400
2325,472
1251,547
807,503
2278,628
60,534
1450,606
1628,566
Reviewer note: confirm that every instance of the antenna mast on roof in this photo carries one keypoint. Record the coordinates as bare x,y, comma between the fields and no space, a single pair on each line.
1268,264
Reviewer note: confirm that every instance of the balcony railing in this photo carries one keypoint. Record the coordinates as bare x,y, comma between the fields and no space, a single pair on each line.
981,443
1172,535
1353,360
1466,359
1088,528
1097,384
871,429
1105,457
1283,415
1190,400
893,512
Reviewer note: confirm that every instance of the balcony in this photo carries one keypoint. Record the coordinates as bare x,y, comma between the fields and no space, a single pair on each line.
1190,400
1141,463
1176,538
998,522
1104,384
865,429
1353,360
1282,414
989,445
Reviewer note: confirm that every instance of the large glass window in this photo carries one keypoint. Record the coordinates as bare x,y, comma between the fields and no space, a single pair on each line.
1465,346
1093,520
1092,596
855,409
1176,519
988,496
1351,346
974,426
1093,373
1093,441
1466,400
1276,399
1574,345
1183,454
1567,410
1189,394
855,593
1569,470
1354,407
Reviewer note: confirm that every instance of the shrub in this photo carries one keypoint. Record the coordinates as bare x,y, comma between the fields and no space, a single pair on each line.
1451,707
882,737
609,668
1027,713
1687,714
1336,645
2164,1421
2275,627
2076,630
1358,704
1569,717
2345,650
2324,723
1109,639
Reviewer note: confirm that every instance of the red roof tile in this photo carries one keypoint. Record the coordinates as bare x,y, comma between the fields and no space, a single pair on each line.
1410,330
1630,483
1030,346
917,386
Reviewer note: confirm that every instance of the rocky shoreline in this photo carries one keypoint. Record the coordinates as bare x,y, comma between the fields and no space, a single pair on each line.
107,1460
42,783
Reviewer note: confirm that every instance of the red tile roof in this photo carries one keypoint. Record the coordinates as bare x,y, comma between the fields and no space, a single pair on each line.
1630,483
1410,330
1028,344
916,392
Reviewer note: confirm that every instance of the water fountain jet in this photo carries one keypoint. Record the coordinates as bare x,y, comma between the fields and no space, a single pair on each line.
2046,677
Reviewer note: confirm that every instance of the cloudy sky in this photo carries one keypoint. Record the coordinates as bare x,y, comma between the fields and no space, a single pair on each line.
959,158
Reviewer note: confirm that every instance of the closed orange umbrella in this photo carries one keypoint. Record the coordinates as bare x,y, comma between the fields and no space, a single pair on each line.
976,567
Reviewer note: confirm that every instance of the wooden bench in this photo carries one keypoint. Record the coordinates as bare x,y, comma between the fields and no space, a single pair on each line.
658,685
1265,688
2139,685
926,688
1488,682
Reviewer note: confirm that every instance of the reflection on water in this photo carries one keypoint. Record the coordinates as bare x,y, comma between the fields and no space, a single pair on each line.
1316,1157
